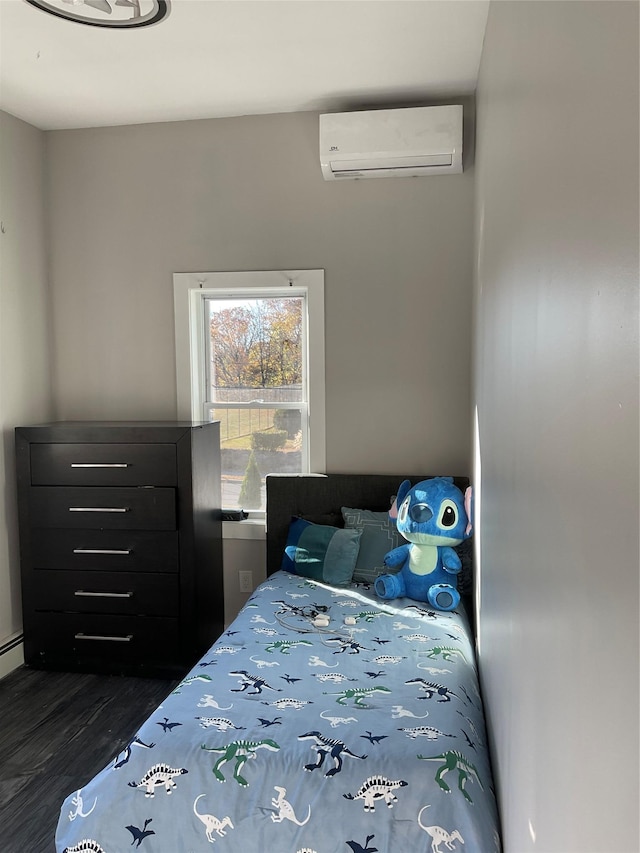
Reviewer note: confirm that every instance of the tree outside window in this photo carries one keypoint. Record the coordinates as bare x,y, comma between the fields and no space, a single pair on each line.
256,388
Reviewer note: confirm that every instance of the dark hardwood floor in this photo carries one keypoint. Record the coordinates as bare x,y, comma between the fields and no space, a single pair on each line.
57,730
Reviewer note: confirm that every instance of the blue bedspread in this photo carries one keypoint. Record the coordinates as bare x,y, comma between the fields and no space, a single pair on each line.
286,737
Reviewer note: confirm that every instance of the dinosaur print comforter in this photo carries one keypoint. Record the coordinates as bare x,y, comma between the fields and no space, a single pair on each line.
293,737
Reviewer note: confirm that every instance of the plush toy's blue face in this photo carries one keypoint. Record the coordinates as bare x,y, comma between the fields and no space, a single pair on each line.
432,512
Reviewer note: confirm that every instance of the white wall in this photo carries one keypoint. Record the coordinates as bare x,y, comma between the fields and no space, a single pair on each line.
132,205
556,387
243,549
25,390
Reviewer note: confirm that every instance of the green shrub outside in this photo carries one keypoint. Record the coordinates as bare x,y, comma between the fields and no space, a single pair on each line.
250,497
272,440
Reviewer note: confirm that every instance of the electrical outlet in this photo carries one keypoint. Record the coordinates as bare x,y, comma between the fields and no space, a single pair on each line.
245,579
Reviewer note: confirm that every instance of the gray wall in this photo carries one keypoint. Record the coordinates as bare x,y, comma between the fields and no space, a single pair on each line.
556,389
25,391
132,205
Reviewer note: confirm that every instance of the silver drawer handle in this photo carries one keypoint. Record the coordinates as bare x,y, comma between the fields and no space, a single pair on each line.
88,594
120,553
99,464
98,509
126,639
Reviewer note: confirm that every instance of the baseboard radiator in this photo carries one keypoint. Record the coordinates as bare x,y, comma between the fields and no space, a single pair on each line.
11,654
11,643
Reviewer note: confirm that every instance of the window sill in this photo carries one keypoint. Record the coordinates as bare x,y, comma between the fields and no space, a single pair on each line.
250,528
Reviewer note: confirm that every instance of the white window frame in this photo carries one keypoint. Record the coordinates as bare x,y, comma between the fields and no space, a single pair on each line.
190,291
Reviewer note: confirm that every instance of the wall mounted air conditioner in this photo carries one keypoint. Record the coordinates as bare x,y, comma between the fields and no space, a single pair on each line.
391,143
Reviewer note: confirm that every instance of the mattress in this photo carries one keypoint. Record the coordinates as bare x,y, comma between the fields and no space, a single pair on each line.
290,735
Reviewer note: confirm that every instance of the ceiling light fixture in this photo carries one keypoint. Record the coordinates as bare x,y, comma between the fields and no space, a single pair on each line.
116,14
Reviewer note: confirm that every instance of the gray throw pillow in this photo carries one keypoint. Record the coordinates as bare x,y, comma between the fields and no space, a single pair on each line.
379,536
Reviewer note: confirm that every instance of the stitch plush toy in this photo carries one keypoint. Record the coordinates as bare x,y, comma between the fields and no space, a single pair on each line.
432,516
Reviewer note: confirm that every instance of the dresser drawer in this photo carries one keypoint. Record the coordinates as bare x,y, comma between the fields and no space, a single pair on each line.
103,465
126,640
106,550
98,508
107,592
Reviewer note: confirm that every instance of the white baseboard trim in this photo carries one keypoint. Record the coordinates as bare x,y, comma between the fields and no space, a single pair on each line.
11,654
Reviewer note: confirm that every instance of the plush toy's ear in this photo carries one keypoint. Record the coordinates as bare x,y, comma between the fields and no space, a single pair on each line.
393,512
403,491
468,506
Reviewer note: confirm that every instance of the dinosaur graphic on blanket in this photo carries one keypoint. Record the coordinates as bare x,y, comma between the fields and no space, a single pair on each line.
247,680
358,694
139,834
369,615
87,845
328,746
78,806
159,775
377,788
345,643
211,822
285,809
283,646
239,751
445,652
192,679
454,760
439,835
433,689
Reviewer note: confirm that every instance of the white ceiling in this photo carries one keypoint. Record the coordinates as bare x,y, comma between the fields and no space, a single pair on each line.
214,58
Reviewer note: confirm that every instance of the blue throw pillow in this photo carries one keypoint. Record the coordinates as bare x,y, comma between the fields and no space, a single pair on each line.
379,536
321,552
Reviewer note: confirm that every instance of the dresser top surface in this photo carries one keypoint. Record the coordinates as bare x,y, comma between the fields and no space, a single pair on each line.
77,431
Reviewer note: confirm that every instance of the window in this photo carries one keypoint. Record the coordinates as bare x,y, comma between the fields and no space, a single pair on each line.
250,353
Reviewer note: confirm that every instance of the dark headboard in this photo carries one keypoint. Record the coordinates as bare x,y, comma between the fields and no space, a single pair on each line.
324,494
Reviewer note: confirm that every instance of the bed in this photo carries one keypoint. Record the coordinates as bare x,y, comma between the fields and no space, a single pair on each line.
291,735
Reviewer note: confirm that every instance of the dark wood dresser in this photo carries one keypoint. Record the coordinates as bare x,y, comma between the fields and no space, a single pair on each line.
121,545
